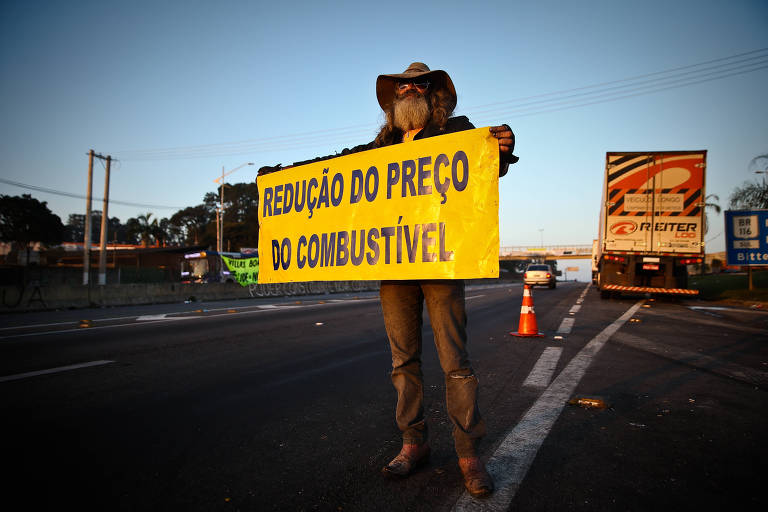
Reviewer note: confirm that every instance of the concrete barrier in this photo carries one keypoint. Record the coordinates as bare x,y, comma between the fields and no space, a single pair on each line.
35,296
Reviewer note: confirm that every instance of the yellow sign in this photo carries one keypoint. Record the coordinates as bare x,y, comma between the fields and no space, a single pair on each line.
428,209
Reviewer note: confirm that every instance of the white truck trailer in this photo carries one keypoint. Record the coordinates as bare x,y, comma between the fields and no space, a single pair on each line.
651,222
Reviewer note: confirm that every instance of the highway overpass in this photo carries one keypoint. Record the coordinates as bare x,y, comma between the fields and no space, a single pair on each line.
559,252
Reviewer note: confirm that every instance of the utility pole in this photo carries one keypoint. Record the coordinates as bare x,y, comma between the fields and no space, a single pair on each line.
87,237
220,215
104,217
220,243
104,220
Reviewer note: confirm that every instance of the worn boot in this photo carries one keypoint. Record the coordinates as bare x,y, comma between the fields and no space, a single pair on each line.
476,479
410,457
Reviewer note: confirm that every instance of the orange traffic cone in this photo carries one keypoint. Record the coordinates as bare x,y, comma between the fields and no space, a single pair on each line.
527,327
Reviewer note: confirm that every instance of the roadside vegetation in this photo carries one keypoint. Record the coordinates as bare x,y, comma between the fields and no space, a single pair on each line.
732,286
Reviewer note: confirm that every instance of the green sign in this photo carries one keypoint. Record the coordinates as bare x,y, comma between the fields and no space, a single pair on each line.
245,270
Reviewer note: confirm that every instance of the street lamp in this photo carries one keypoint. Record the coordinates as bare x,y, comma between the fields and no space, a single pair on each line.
220,213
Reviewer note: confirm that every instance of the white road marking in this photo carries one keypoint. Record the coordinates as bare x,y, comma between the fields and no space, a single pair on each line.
509,464
542,372
53,370
721,308
29,326
574,309
164,316
566,325
263,308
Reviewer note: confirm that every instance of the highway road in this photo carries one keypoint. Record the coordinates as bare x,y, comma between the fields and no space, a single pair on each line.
286,404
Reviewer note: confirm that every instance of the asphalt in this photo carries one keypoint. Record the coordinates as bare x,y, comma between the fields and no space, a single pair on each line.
286,404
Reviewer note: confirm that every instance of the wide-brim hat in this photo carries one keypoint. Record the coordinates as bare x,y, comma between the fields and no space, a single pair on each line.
386,85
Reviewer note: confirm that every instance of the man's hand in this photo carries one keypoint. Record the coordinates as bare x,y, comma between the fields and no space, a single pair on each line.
506,138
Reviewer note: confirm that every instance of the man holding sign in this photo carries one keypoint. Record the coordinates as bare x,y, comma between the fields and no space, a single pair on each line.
418,104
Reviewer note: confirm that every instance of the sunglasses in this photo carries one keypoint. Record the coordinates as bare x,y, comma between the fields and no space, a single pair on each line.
421,86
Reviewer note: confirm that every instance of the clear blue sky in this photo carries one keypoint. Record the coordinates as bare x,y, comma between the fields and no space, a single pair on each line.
293,80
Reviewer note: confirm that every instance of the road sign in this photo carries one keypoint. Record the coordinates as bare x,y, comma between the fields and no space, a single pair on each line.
746,237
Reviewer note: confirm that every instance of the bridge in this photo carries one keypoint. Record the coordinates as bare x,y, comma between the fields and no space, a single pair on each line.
559,252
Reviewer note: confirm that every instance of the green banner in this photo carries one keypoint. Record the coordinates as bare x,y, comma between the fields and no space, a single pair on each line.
244,270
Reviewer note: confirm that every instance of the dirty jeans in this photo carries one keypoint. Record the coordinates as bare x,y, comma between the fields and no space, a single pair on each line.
402,305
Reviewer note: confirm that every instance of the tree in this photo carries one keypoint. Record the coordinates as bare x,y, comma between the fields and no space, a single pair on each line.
174,235
116,230
24,220
142,228
192,222
74,229
752,195
162,232
241,223
709,203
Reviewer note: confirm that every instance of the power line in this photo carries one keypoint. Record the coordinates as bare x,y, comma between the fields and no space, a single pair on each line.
636,77
555,101
522,112
79,196
308,139
652,84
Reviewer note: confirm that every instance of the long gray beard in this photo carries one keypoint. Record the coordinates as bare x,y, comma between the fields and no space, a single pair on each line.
411,112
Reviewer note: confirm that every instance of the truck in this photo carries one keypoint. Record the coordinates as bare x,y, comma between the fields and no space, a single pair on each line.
651,222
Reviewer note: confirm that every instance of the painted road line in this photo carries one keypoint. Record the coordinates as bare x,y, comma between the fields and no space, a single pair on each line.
542,371
509,464
566,325
574,309
30,326
265,308
163,316
53,370
242,308
732,310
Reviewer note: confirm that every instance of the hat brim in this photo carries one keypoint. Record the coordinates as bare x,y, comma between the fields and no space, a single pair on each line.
386,85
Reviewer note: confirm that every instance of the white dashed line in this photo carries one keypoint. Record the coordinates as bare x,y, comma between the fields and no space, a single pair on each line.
164,316
542,372
53,370
566,325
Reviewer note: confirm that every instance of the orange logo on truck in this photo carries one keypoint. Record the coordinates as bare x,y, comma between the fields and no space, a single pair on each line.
626,227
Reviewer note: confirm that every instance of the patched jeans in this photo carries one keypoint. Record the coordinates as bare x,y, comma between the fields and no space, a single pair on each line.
402,305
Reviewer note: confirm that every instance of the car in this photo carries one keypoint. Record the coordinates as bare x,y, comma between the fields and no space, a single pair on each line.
539,274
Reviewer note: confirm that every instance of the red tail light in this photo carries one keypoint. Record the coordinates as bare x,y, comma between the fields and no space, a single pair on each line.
549,275
525,275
